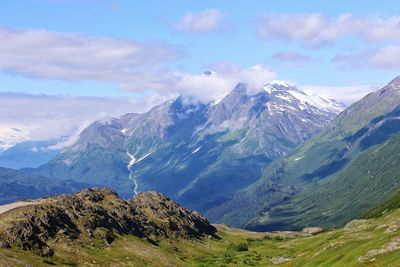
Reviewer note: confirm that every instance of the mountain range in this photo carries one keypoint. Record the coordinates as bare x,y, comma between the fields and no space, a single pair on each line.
17,185
11,136
333,177
275,159
29,154
198,154
322,176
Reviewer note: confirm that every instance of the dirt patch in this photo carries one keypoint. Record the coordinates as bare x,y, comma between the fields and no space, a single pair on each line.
8,207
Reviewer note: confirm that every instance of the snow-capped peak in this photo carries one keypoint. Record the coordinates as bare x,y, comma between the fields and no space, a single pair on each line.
280,83
317,101
11,136
277,85
290,93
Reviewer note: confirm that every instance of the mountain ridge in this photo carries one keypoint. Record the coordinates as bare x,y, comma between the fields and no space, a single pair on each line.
189,150
322,158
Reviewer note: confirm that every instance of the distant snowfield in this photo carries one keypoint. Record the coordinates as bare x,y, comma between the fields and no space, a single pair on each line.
289,92
11,136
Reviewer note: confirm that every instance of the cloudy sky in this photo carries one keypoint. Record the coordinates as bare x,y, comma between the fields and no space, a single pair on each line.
78,60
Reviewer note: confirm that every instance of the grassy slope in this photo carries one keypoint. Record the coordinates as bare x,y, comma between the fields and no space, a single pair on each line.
389,205
369,179
362,243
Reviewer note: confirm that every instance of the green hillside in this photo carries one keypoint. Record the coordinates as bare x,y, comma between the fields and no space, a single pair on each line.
369,179
374,242
385,207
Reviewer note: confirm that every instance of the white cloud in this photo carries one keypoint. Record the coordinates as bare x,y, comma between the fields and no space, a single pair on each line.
316,29
10,136
204,21
346,94
226,76
74,57
134,66
43,117
291,56
385,58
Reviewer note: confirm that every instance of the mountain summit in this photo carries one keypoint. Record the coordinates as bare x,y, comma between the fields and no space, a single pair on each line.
198,154
332,178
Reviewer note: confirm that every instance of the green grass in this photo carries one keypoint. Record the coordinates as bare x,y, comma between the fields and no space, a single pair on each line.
385,207
367,181
348,246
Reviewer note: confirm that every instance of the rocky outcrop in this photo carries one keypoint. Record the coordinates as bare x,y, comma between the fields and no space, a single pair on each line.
98,214
312,230
171,219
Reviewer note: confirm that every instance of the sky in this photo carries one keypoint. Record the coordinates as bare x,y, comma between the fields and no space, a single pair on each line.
56,56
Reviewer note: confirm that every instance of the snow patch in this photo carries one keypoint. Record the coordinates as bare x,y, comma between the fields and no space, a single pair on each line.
285,97
277,85
196,150
131,163
9,137
131,176
280,83
317,102
299,158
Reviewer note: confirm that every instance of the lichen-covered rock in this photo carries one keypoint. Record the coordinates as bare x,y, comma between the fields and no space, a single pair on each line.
312,230
99,213
393,245
279,260
173,219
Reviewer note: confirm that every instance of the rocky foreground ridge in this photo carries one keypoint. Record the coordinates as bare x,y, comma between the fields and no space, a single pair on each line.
98,215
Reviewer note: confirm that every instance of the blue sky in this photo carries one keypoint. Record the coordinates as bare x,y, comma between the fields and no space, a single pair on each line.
235,41
141,53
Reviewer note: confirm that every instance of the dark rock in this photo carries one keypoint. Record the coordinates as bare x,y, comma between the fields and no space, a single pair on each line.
5,244
108,238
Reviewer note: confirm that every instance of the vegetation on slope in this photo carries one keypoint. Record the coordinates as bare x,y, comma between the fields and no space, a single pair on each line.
374,242
17,185
387,206
368,180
